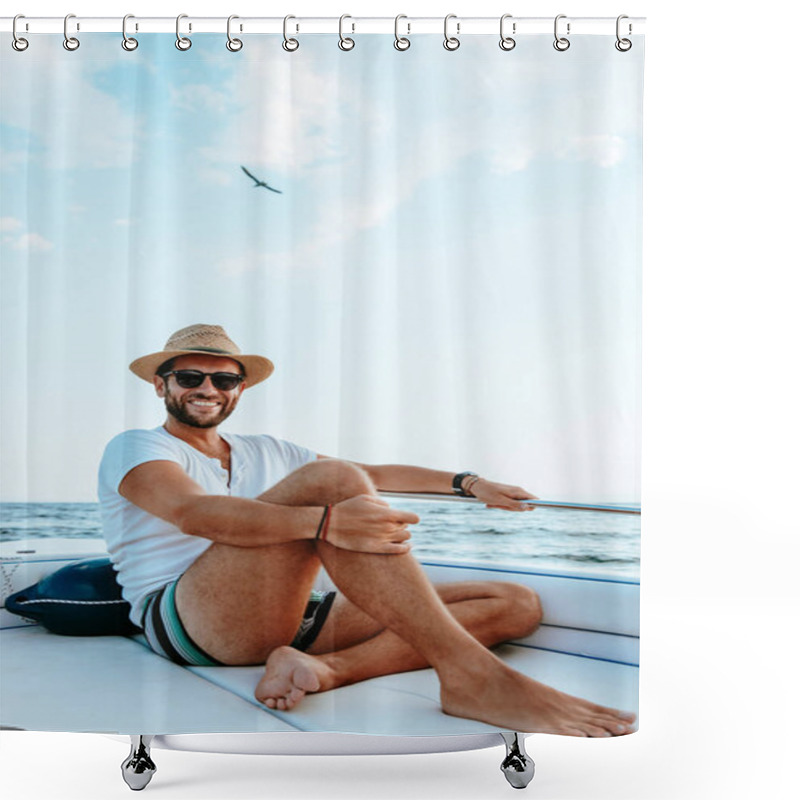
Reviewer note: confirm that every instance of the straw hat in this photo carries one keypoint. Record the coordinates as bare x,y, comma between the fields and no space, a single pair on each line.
208,340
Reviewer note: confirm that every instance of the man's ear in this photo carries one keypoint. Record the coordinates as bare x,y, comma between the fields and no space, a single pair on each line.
159,383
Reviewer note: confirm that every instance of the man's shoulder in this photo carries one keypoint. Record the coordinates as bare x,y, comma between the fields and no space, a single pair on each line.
134,435
136,440
133,447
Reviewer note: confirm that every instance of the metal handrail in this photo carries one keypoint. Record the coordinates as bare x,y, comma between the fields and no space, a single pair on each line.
606,508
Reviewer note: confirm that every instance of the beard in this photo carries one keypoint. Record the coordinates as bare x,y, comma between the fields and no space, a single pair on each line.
183,412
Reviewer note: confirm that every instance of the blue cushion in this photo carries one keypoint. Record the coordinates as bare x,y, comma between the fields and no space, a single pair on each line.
81,599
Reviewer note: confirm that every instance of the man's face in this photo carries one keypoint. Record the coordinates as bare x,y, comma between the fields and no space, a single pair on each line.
203,406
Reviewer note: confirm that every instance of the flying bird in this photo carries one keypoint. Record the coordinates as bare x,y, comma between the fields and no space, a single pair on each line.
258,182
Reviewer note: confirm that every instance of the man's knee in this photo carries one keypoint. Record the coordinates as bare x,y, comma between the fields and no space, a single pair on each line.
523,609
335,480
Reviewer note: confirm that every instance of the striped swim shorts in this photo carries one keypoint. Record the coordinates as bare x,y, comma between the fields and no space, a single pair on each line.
166,635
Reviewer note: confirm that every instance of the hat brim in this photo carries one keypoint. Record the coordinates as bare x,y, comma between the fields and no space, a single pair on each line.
256,368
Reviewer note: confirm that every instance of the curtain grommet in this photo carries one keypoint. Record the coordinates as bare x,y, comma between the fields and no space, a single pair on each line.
234,45
561,43
451,42
345,42
289,45
623,45
507,42
71,43
128,42
183,43
401,43
19,43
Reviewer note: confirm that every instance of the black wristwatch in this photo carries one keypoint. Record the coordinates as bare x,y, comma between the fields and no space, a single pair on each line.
457,481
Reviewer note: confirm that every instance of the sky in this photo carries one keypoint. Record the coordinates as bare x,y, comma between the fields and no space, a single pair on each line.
450,276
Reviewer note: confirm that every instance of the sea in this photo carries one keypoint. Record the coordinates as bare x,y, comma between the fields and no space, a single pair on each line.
546,538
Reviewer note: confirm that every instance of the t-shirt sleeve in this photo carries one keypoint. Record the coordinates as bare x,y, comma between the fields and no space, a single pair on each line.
129,450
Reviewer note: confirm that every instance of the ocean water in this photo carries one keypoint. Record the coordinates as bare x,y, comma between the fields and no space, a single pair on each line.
547,538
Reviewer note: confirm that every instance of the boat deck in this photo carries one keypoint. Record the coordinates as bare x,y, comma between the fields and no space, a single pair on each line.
588,646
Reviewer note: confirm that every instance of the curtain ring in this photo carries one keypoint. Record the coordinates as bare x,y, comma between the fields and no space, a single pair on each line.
234,45
401,43
623,45
506,42
289,45
128,42
561,43
18,43
346,43
70,42
451,42
181,42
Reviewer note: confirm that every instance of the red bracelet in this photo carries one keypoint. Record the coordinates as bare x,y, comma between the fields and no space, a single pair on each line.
327,522
322,528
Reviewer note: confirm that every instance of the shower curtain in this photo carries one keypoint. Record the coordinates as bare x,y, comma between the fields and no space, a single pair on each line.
438,250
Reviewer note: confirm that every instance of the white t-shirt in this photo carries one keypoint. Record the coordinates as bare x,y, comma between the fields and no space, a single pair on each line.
147,551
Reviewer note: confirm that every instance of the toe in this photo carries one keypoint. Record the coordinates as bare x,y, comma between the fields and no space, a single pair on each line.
596,732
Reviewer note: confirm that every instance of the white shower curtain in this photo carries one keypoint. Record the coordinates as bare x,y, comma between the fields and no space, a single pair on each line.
439,252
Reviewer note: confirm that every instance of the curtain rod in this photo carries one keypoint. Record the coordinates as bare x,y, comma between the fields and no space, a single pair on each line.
460,26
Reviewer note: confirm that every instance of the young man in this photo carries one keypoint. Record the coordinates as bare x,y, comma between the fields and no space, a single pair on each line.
218,539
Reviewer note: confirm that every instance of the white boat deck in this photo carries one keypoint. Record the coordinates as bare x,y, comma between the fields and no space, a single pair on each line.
588,646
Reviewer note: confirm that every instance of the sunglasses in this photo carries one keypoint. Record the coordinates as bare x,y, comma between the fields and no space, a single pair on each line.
192,378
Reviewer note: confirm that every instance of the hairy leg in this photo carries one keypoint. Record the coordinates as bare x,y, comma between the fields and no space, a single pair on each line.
240,603
392,589
353,647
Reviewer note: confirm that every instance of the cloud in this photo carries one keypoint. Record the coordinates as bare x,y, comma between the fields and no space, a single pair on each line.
33,242
9,224
93,128
200,97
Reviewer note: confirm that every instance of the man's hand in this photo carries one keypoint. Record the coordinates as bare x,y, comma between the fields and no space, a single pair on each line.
501,495
368,524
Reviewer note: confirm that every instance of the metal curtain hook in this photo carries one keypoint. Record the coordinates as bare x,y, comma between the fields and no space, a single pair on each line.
623,45
289,45
400,42
128,42
451,42
234,45
18,43
181,42
506,42
346,43
561,43
70,42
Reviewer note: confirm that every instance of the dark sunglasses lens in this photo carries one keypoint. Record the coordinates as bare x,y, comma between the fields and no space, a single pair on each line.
188,378
225,381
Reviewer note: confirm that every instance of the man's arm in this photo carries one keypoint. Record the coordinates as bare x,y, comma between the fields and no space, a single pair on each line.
363,523
163,489
406,478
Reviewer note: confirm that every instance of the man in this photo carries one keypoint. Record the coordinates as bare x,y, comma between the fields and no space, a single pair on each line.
218,539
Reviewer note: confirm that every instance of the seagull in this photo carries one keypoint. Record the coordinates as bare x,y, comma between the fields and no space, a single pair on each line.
260,183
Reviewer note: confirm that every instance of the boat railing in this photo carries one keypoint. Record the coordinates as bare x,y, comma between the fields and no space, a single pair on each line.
605,508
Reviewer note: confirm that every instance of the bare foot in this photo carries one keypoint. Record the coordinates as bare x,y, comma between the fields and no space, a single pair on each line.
289,675
513,701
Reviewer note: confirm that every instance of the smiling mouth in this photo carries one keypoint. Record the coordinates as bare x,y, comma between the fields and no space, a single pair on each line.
203,403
